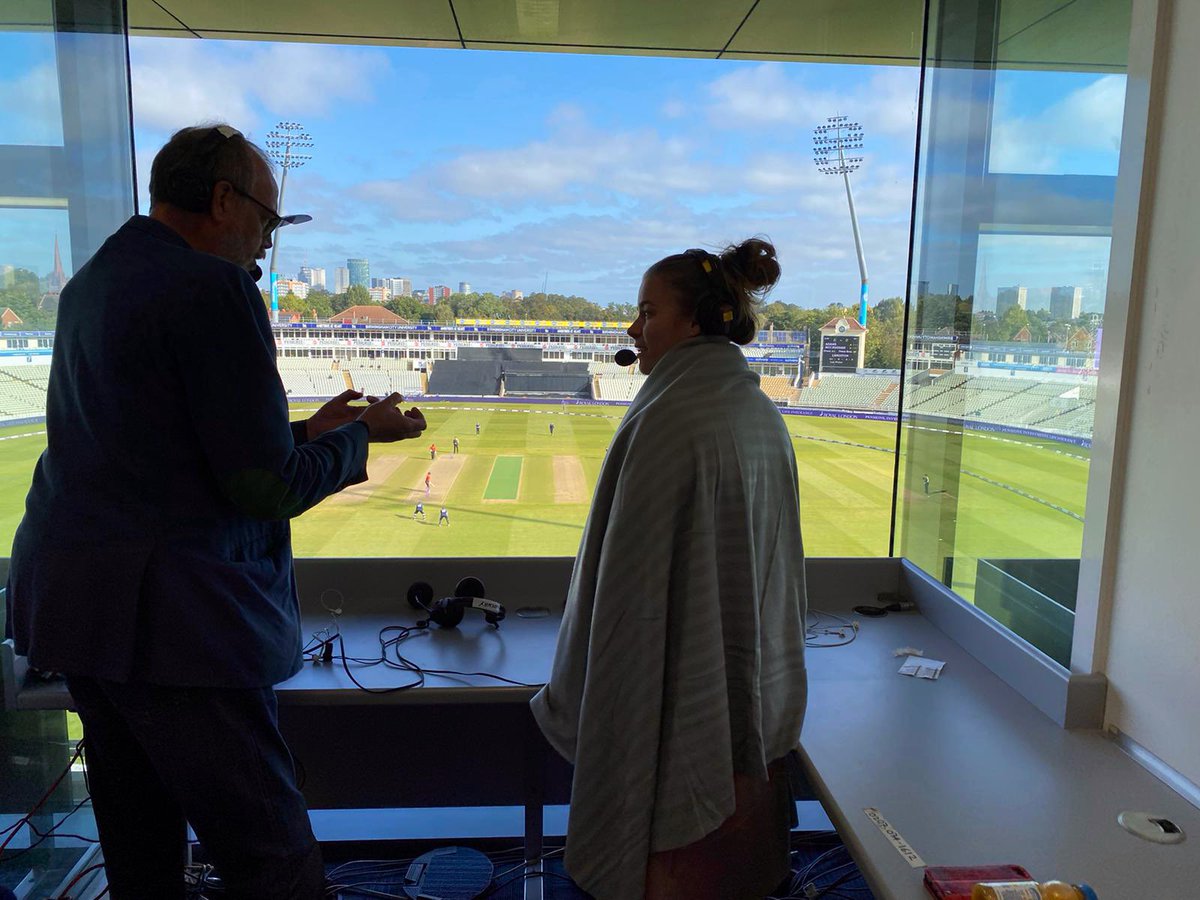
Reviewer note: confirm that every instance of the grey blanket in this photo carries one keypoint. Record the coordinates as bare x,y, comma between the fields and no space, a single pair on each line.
681,655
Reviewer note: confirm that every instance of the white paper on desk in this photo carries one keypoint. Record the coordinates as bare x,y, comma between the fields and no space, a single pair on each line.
921,667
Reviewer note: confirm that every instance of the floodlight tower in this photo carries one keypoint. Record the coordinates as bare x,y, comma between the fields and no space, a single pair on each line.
283,142
830,143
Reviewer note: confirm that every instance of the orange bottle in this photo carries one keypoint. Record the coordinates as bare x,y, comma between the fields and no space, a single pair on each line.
1031,890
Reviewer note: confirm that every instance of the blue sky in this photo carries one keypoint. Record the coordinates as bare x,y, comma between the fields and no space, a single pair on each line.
503,169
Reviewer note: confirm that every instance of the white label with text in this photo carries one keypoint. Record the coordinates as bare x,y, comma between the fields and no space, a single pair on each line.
901,845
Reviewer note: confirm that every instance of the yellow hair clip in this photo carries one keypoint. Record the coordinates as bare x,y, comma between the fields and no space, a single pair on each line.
727,314
707,266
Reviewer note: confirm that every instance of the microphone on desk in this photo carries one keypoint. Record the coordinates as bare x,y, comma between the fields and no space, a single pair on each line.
625,357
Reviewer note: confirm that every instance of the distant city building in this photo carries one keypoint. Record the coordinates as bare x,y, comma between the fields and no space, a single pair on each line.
296,288
312,277
952,289
8,318
464,287
513,295
378,282
922,289
1008,297
400,287
419,295
341,280
1066,302
8,276
436,293
360,272
380,294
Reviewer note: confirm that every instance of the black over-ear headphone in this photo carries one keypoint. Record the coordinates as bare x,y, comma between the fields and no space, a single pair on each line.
448,611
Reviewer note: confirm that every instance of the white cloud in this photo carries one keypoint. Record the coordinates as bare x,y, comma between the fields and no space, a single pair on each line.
247,85
32,114
602,256
674,109
1078,134
577,163
768,95
412,200
764,95
592,205
795,174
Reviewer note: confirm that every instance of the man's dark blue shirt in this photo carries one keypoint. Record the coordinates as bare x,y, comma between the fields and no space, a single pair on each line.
155,544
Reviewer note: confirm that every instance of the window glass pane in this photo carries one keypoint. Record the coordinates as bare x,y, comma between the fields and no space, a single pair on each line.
1056,123
66,183
1015,189
29,87
512,202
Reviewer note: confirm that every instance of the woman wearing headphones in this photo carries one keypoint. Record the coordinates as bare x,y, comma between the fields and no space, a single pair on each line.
678,684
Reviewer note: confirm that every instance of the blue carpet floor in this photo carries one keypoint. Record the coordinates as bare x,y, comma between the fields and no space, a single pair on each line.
819,860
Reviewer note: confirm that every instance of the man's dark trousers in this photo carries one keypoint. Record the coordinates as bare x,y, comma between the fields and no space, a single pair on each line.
160,758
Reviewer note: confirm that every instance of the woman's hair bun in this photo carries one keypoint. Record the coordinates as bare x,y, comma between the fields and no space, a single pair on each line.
753,264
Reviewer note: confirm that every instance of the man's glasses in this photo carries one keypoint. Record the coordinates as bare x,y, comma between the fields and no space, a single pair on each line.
274,219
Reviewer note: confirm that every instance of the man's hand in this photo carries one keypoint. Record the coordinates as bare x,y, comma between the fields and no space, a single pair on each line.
385,422
337,411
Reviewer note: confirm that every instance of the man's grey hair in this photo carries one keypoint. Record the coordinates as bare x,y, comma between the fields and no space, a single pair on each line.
190,164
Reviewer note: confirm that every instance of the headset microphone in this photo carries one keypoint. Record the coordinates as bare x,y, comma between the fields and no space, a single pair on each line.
625,357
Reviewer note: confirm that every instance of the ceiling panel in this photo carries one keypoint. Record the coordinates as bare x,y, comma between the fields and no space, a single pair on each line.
410,21
149,15
356,40
21,15
1082,34
616,24
592,50
847,30
1049,34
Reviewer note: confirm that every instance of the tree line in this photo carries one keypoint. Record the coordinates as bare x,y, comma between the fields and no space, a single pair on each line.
933,314
22,296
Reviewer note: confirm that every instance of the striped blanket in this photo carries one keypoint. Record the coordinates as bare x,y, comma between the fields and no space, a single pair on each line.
681,655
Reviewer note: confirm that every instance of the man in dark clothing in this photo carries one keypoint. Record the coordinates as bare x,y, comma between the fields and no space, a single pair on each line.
153,565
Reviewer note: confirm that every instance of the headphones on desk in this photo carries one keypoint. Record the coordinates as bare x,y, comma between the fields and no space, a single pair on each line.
447,612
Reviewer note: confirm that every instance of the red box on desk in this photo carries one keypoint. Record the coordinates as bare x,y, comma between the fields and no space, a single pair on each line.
955,882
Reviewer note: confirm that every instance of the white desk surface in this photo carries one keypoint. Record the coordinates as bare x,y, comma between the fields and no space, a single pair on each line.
964,768
519,650
969,773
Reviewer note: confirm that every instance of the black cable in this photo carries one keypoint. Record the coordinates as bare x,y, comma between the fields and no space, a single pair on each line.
523,877
480,675
320,649
420,680
849,876
843,631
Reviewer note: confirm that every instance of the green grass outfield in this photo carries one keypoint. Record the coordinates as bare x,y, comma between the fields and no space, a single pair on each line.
1005,506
